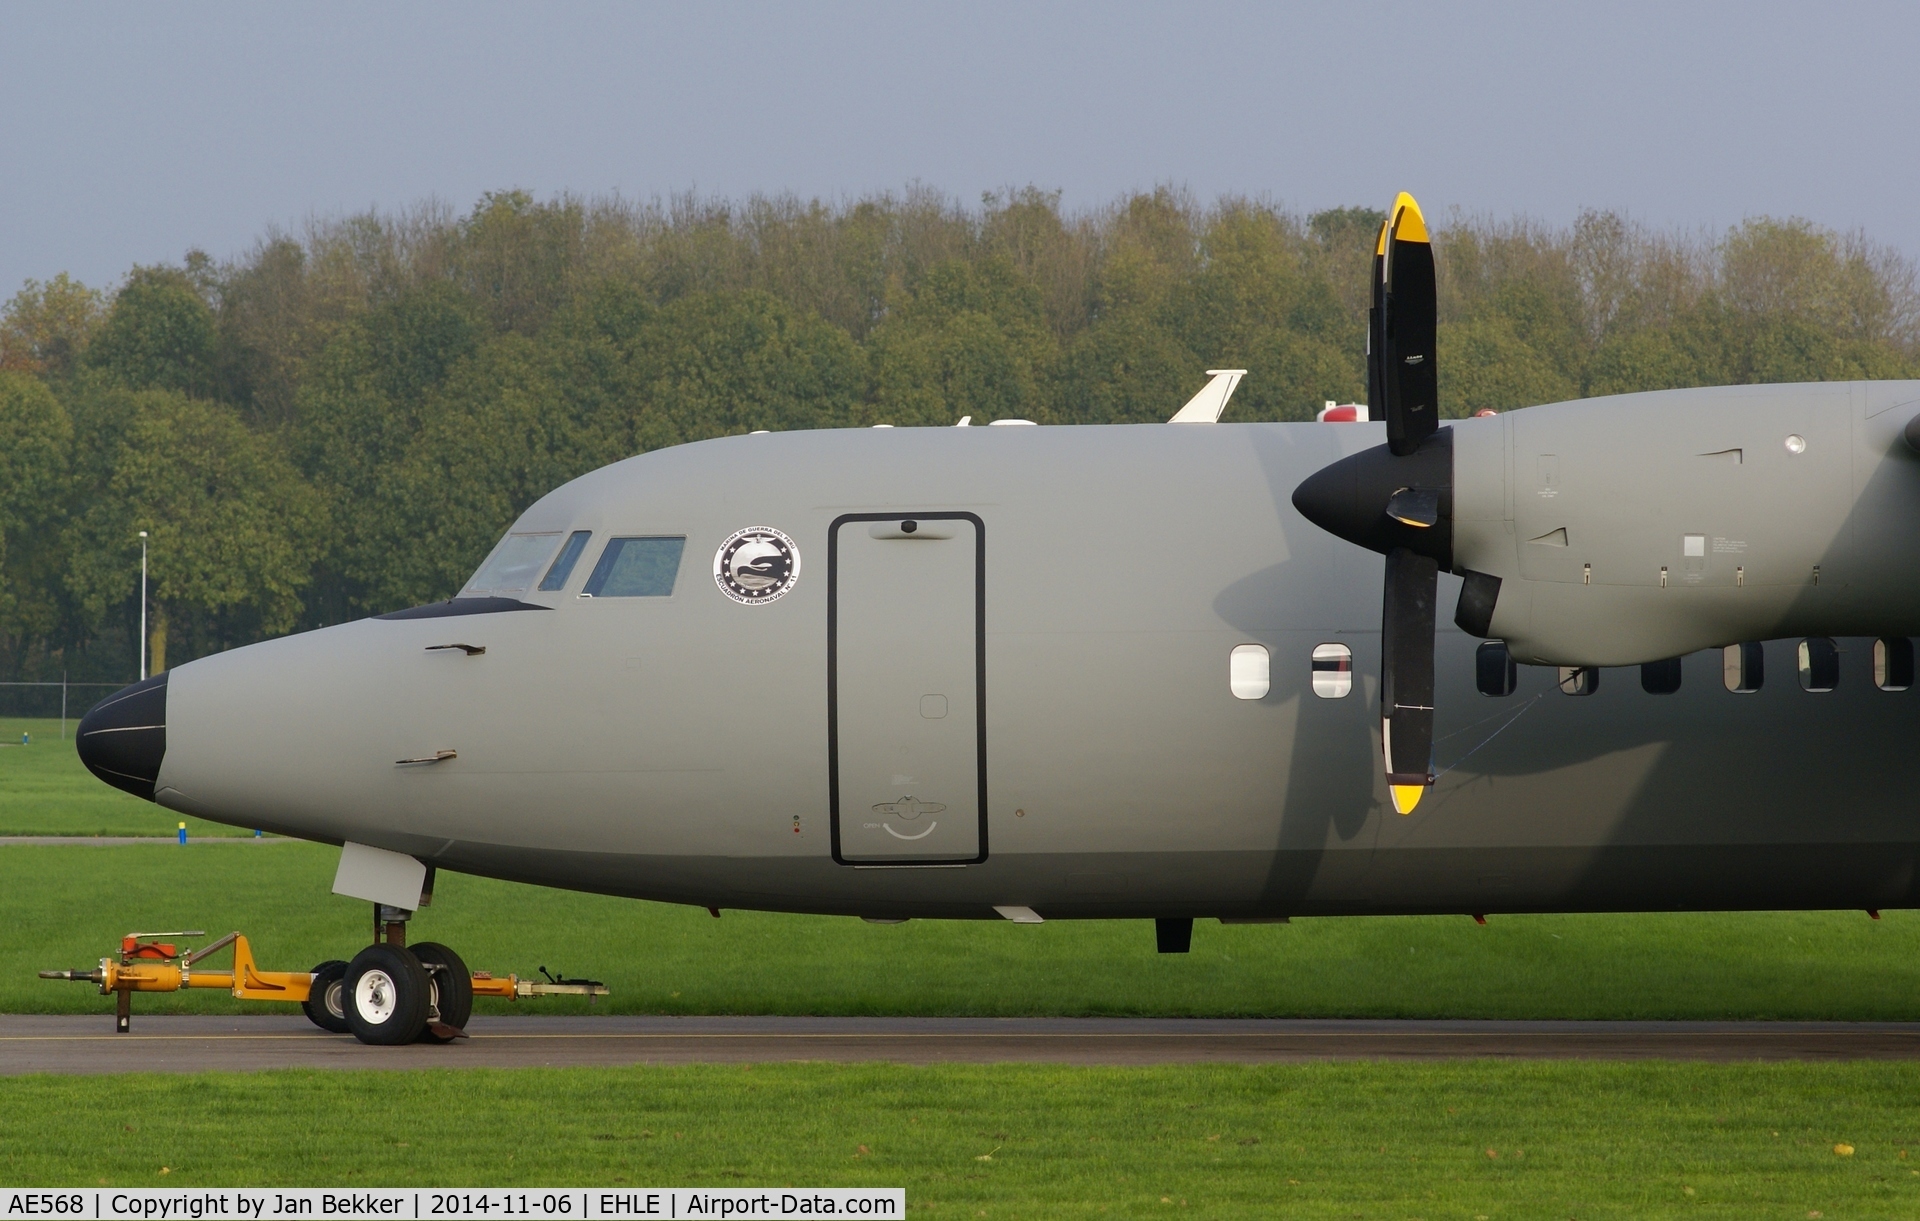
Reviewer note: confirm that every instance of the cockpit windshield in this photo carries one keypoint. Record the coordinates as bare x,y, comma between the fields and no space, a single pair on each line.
514,564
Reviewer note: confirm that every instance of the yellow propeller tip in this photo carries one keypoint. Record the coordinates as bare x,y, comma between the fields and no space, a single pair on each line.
1404,221
1406,796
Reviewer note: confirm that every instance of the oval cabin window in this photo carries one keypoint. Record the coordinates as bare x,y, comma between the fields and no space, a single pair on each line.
1332,671
1743,667
1819,664
1494,671
1579,680
1893,664
1660,677
1247,674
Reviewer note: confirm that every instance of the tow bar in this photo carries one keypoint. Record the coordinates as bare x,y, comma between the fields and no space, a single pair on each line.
147,963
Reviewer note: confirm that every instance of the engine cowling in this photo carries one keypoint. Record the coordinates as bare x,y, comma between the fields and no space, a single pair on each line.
1647,526
1640,527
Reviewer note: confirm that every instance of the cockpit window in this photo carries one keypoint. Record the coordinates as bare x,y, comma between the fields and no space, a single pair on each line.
557,575
514,563
636,568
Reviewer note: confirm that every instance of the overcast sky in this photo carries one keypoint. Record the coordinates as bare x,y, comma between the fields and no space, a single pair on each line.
130,133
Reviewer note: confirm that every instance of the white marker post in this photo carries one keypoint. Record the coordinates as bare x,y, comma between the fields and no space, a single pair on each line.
143,606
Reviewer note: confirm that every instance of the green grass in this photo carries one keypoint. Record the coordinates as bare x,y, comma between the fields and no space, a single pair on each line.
44,790
1454,1140
1590,1140
65,906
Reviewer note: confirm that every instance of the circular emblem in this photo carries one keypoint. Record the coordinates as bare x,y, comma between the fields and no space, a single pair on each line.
756,565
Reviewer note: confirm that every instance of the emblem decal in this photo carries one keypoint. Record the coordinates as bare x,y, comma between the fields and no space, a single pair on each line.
756,565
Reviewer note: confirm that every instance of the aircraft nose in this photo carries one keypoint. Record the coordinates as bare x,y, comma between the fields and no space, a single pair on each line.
123,737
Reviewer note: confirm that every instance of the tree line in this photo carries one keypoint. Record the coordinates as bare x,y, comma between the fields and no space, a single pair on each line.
343,420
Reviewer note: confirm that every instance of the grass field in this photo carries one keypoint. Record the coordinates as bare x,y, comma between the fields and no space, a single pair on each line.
44,790
1465,1140
65,906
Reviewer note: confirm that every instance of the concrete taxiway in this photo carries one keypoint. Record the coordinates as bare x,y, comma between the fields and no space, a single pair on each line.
65,1044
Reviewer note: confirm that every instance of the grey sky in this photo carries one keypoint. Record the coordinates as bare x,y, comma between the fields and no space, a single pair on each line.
133,132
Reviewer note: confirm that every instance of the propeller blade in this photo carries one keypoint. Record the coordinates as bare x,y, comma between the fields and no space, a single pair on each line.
1402,329
1416,507
1406,674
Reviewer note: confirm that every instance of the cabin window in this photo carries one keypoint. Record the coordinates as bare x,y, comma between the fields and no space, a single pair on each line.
1332,671
1743,667
1579,680
557,575
513,564
1247,672
636,568
1494,671
1660,677
1819,664
1893,663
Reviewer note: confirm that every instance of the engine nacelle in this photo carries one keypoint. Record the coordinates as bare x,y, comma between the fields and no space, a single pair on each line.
1646,526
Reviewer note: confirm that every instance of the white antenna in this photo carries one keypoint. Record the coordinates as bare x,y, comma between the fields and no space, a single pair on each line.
1206,406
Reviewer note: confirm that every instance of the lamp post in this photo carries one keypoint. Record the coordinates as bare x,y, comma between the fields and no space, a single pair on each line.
143,606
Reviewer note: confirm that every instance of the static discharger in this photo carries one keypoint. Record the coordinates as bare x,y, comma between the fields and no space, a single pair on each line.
149,964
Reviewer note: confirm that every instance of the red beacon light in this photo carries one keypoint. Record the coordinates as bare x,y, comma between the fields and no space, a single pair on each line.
1342,413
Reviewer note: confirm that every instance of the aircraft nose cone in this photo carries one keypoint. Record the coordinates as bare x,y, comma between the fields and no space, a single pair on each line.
123,737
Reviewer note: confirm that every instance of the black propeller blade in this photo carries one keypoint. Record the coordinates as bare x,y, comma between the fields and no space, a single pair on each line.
1397,498
1405,319
1406,674
1402,328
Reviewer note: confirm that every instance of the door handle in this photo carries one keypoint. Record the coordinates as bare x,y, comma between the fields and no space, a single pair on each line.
932,531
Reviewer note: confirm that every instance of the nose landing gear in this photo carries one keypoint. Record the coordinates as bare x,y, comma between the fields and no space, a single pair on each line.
393,994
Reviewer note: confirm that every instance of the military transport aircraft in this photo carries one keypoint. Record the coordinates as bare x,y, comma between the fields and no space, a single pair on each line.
1035,673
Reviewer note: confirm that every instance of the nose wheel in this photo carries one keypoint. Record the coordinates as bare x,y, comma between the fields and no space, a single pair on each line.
391,995
386,994
450,985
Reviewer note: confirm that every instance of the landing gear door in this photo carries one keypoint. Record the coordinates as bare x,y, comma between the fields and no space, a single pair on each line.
906,660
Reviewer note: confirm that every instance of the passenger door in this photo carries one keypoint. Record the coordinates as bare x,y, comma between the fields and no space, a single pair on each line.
906,661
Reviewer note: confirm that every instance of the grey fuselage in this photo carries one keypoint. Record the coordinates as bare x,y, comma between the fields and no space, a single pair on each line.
1027,703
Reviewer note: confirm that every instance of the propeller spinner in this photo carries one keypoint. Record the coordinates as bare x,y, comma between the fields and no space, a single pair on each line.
1397,499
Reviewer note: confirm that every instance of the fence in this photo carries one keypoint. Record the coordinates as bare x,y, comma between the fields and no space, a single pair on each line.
68,701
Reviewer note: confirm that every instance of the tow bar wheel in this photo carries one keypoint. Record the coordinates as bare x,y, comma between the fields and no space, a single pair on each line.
326,1005
386,995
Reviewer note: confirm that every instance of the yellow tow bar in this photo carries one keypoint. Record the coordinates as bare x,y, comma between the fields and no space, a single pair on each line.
148,964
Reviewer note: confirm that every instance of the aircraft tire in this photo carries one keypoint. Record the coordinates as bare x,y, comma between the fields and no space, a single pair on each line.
451,989
385,994
323,1006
